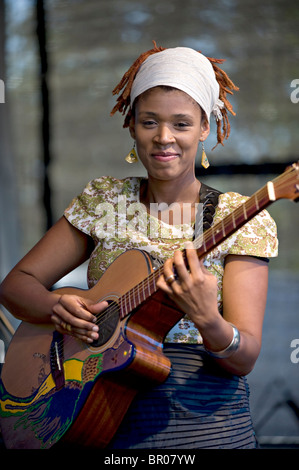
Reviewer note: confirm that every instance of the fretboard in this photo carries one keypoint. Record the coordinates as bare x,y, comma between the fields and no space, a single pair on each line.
204,244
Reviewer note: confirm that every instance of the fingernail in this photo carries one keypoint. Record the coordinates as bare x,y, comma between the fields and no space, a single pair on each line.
95,328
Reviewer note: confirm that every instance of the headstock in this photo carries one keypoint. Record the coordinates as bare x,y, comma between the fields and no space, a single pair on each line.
287,184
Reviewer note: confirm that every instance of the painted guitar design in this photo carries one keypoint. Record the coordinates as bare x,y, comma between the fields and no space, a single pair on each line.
56,388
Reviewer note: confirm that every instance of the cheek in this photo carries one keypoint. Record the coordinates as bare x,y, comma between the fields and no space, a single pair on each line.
192,144
140,146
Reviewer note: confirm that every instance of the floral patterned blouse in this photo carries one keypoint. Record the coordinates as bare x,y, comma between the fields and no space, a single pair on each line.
110,211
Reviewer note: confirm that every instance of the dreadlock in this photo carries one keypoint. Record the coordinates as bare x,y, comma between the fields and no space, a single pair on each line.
225,86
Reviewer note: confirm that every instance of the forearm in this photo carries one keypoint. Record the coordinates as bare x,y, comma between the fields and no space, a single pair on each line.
239,361
26,298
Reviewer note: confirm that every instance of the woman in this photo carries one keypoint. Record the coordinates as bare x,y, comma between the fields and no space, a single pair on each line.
170,95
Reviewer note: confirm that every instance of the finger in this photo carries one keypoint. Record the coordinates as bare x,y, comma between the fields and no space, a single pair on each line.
183,276
71,316
62,317
169,276
73,310
87,335
65,320
195,265
169,272
77,307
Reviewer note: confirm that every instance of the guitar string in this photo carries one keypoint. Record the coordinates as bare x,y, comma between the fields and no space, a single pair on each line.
148,284
130,296
280,182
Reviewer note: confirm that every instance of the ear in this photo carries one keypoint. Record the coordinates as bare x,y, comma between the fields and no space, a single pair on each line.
205,129
132,128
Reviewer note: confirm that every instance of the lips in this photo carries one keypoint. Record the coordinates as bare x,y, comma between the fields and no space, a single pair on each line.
165,156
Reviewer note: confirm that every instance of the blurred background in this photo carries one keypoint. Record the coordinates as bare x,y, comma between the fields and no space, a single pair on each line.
60,60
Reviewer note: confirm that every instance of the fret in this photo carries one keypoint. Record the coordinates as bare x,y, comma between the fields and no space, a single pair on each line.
216,234
256,202
133,297
123,309
223,228
204,244
129,299
264,198
148,288
143,291
251,209
239,216
211,238
234,221
213,235
138,292
154,284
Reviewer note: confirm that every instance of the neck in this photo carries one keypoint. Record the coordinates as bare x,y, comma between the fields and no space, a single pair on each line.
166,200
159,191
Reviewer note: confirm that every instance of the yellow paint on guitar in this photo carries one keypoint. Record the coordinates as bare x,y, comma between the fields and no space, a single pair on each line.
27,378
28,354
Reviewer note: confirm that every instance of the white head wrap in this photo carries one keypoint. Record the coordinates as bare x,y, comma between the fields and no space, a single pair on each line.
185,69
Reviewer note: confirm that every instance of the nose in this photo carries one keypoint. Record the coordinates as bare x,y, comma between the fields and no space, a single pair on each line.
164,135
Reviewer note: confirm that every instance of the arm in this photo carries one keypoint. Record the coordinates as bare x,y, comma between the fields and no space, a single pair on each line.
245,284
25,290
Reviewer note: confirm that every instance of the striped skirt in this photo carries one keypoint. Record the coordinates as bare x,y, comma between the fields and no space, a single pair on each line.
199,406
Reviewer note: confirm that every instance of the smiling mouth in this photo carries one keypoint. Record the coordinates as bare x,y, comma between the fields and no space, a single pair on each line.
165,156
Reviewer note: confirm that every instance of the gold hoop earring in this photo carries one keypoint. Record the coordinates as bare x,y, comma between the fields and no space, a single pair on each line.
204,159
132,156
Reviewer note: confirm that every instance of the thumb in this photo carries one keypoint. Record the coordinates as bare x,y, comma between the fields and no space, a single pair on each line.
98,307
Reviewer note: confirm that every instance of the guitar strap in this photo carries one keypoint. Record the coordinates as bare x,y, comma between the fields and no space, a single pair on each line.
205,215
209,198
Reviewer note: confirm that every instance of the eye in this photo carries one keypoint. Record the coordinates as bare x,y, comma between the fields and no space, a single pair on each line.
149,123
182,125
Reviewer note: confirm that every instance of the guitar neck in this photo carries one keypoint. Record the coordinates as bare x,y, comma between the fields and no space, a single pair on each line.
223,229
210,239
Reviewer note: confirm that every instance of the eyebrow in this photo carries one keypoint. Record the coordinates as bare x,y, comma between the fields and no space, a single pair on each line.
176,116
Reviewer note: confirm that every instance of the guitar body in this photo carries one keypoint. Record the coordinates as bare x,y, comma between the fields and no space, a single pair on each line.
57,388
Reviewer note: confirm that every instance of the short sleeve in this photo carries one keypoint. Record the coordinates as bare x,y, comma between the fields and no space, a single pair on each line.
258,237
82,211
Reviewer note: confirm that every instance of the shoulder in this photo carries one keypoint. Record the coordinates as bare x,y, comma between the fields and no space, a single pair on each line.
83,211
257,237
229,201
111,185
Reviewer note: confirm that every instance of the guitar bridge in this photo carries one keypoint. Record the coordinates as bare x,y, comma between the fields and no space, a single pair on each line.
56,360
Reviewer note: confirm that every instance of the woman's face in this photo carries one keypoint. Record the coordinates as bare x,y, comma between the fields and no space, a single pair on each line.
168,127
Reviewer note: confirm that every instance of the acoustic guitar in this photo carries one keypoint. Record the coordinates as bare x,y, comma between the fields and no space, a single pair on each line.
57,389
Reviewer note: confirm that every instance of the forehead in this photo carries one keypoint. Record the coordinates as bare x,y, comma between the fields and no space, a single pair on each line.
163,96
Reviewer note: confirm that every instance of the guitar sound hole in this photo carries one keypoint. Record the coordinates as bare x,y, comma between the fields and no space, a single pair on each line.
107,322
